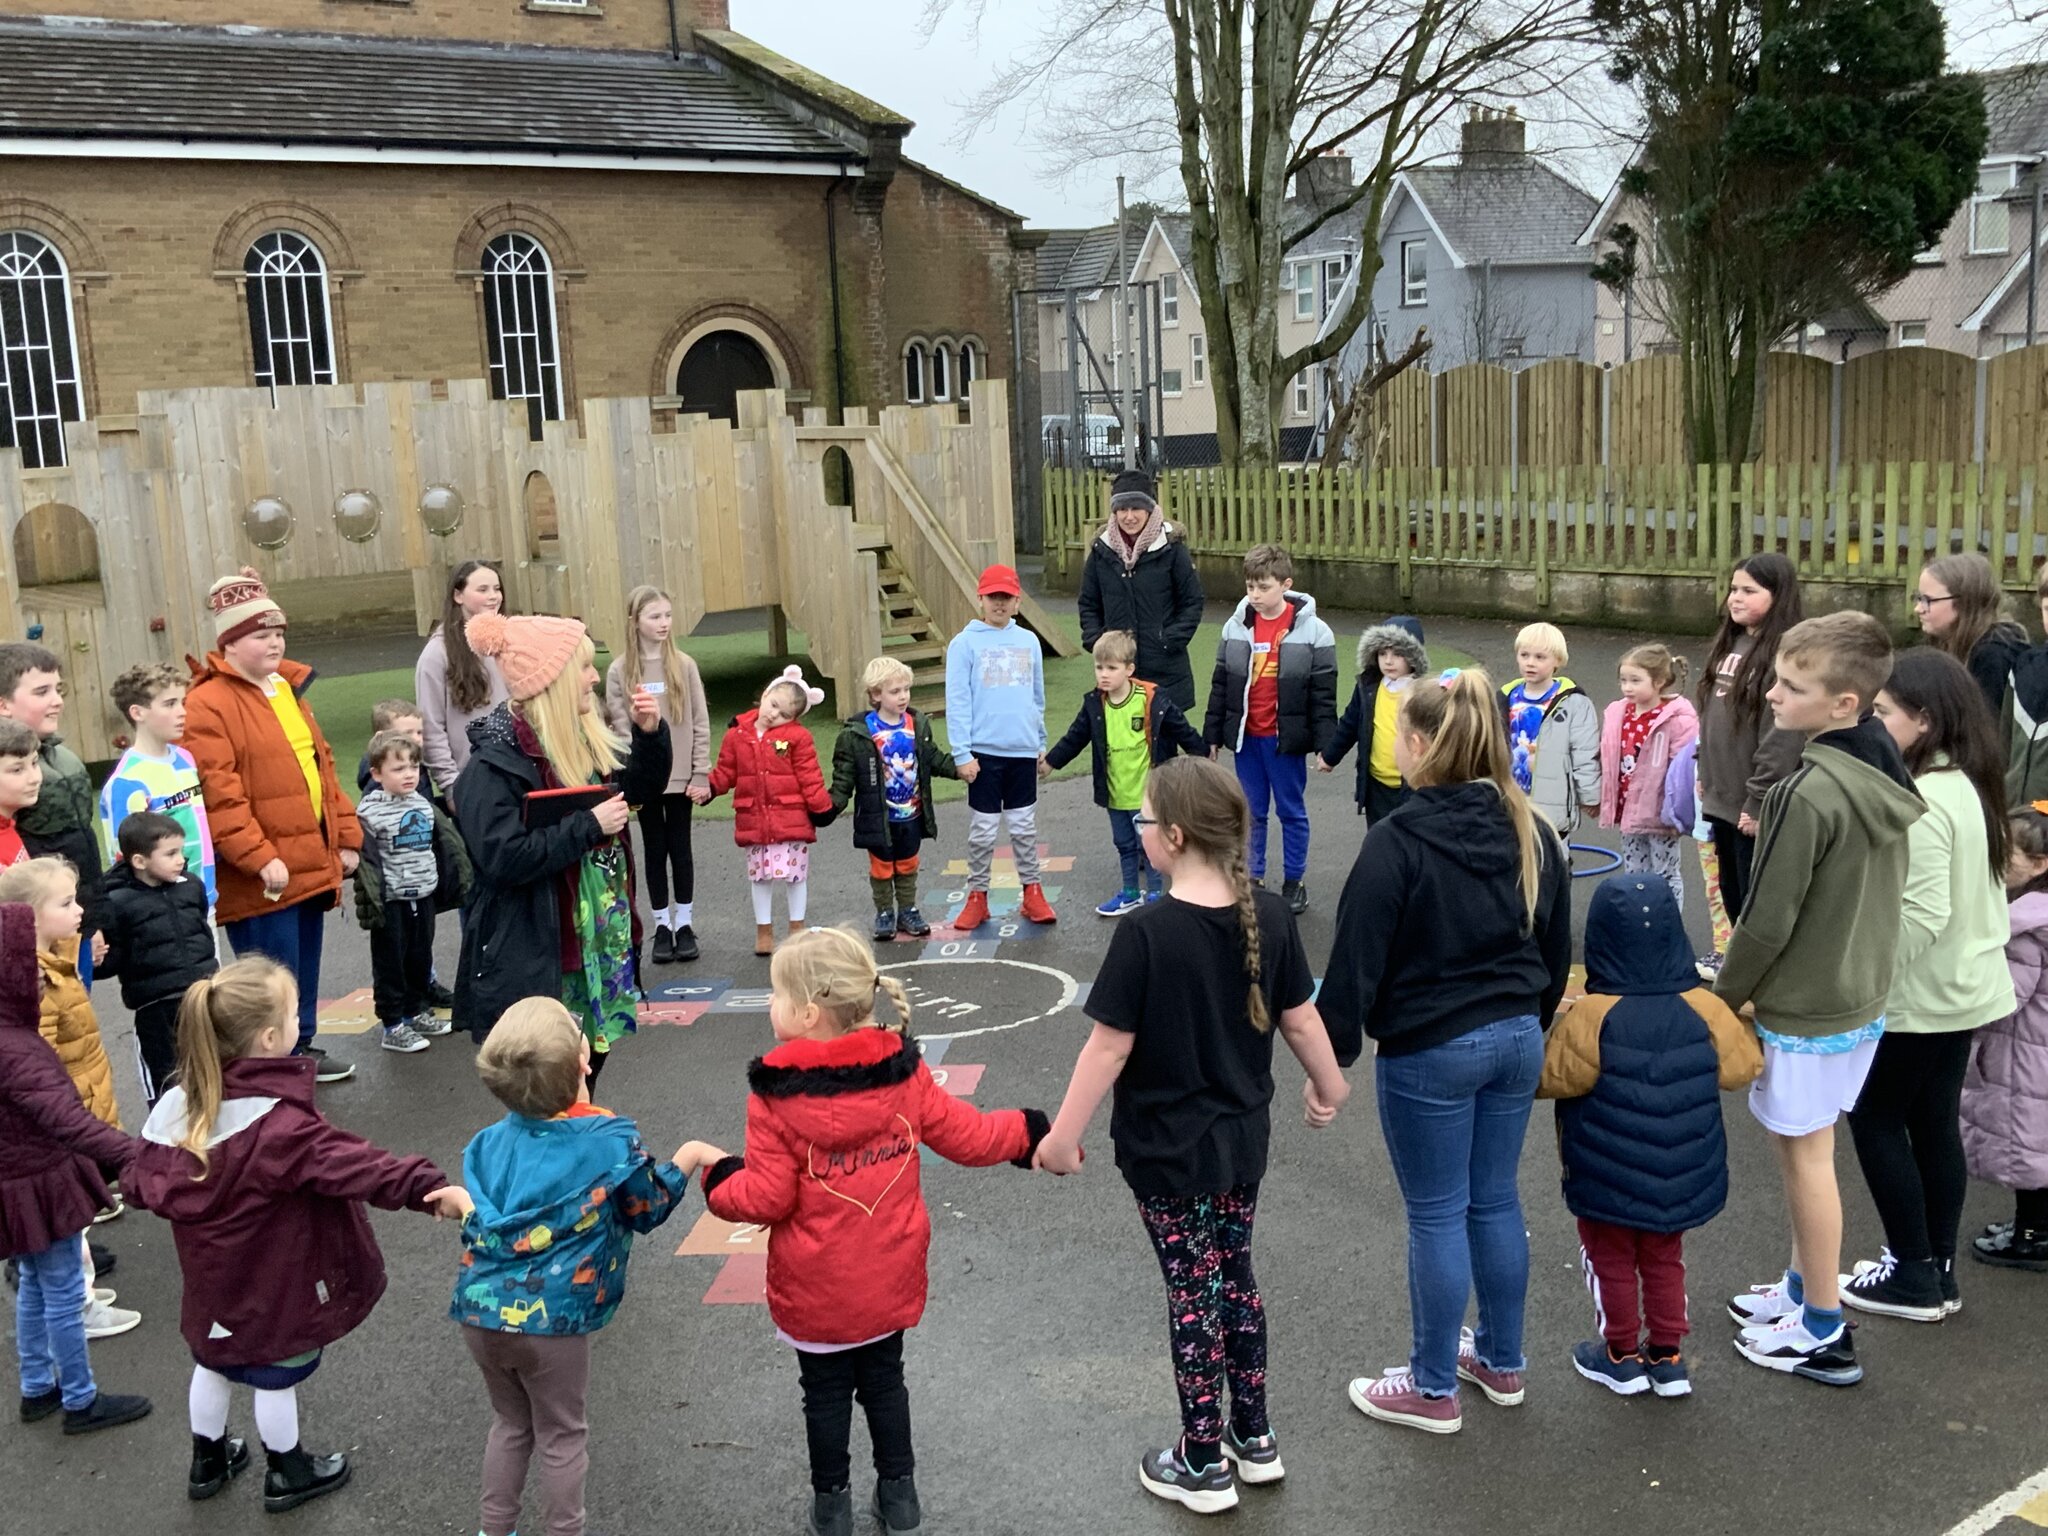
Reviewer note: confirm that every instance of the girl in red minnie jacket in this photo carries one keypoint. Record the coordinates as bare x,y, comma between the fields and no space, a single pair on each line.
779,798
838,1111
265,1201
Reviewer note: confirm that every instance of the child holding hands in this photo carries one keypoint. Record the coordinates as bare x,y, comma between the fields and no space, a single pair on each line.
1184,1009
1644,733
1390,658
265,1199
837,1114
561,1187
883,766
770,764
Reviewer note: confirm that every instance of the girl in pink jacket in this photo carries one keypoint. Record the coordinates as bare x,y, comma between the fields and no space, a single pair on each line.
1647,731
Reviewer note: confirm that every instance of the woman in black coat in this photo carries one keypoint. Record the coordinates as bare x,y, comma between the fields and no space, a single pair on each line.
1140,577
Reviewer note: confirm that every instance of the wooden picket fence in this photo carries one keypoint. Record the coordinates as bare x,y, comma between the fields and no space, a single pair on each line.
1875,522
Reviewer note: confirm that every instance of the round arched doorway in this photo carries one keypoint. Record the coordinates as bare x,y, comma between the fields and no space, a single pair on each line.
716,368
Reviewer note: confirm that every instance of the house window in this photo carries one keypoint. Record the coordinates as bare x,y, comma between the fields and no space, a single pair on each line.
1912,333
38,350
1512,348
519,324
1414,272
1991,220
1198,361
1170,381
291,333
1304,392
1169,298
942,372
970,366
913,373
1334,268
1304,290
2013,342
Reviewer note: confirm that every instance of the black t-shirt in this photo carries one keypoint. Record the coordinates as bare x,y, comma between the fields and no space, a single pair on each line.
1189,1115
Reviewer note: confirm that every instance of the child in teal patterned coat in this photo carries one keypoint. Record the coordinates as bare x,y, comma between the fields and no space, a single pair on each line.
560,1188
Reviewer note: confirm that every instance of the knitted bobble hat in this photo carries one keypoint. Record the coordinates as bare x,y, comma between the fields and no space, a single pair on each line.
795,674
530,649
241,605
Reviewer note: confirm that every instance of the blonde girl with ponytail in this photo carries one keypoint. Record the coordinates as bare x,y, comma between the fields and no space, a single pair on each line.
1452,948
265,1200
1185,1008
837,1114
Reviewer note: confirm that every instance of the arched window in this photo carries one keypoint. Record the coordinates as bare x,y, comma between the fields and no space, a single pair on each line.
970,370
519,322
913,373
291,333
942,372
38,352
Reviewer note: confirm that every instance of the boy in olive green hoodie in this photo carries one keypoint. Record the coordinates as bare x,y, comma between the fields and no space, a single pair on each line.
1813,952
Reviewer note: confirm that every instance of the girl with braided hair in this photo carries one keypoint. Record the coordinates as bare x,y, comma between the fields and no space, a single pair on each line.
1184,1010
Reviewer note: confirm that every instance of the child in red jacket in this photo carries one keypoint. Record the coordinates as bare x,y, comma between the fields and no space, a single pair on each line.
770,764
266,1202
838,1112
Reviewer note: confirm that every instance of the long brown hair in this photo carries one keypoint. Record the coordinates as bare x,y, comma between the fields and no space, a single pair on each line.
1973,586
1204,803
638,601
1960,726
218,1022
1459,716
469,685
1779,577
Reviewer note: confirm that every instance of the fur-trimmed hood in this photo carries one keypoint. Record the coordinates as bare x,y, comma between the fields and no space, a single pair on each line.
856,1061
1402,635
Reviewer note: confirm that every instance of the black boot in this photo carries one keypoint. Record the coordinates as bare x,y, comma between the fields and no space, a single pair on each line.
896,1505
832,1513
664,944
297,1475
215,1464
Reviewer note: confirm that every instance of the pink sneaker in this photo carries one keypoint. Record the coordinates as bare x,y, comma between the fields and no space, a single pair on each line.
1503,1388
1395,1398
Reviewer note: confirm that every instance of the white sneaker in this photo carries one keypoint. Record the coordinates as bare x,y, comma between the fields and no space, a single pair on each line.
115,1208
1763,1304
103,1294
1787,1346
103,1321
401,1037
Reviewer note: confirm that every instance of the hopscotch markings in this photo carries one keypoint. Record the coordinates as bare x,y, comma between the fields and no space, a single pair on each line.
671,1013
706,992
963,948
2029,1502
1069,989
713,1236
743,1000
933,1048
960,1081
741,1281
354,1013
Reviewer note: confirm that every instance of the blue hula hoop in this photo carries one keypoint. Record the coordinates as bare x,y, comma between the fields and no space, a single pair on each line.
1613,860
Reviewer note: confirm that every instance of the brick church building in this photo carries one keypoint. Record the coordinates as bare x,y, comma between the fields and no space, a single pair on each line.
573,198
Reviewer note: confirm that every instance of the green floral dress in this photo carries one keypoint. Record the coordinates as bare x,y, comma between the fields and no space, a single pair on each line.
603,993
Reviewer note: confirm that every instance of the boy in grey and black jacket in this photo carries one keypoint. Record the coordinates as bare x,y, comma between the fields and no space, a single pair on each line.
412,865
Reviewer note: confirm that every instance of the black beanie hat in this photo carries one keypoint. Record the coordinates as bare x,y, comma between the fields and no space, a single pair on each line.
1128,486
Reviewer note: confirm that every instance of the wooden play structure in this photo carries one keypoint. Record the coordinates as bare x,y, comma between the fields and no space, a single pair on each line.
866,536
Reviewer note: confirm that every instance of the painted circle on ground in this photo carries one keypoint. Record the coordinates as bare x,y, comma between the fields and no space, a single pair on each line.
939,1001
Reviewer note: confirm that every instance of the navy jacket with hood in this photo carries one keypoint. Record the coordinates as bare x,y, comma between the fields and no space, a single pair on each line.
1642,1145
1401,635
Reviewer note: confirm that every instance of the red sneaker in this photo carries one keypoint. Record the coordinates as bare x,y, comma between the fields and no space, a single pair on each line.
1035,907
973,912
1395,1399
1501,1387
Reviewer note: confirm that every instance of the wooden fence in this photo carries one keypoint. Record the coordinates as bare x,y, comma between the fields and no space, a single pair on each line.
1877,523
1902,405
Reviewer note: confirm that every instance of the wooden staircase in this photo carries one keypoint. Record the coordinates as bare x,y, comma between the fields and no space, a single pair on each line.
909,633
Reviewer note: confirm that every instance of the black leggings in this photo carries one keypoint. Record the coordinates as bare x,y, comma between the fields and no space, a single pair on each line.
665,841
1736,852
874,1374
1909,1139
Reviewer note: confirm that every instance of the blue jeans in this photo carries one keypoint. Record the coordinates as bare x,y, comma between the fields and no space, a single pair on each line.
1453,1116
49,1323
292,937
1130,851
1267,774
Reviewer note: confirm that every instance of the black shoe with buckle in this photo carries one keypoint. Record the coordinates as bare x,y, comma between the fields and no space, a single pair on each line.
215,1464
296,1476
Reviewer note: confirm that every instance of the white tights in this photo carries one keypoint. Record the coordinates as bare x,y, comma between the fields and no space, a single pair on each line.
764,899
277,1413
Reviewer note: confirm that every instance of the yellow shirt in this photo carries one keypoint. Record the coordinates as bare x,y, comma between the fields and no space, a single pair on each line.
285,704
1386,709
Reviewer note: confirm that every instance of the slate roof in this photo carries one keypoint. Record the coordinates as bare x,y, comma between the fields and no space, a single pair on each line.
1081,258
67,80
1519,213
2016,110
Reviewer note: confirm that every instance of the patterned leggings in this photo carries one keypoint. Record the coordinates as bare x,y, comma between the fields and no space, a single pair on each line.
1652,853
1215,1318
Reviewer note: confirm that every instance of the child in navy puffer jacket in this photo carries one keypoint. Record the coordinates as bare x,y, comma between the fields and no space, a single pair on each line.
1639,1064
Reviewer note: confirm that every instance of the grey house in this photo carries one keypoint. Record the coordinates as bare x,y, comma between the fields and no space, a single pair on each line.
1485,253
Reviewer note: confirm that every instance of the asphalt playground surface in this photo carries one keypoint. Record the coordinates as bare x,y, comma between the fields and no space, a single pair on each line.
1040,1373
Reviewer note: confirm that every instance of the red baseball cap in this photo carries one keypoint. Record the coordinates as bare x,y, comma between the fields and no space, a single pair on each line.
999,579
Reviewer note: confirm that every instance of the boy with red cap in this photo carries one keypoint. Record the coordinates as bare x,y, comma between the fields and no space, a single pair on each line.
995,720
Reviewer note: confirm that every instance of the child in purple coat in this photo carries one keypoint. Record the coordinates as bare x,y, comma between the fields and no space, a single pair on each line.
54,1159
266,1202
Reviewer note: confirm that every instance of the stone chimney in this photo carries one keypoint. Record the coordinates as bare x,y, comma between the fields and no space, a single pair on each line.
1324,180
711,15
1493,137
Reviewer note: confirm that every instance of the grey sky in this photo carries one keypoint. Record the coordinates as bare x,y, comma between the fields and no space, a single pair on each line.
878,48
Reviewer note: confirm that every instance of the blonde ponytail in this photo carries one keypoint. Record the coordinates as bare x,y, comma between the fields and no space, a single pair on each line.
835,969
218,1022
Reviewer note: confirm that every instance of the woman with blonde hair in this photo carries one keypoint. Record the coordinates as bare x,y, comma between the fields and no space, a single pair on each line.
554,912
1453,944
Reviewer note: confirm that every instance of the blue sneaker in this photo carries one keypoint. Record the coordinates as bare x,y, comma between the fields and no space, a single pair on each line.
1668,1375
1596,1362
1152,896
1120,903
885,925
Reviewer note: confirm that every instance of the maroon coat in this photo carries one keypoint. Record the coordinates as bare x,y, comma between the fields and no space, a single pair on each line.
276,1251
53,1150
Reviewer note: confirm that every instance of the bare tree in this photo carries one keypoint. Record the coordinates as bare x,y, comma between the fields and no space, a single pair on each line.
1357,431
1247,94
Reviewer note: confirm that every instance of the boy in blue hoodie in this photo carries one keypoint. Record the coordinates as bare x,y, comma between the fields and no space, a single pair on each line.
995,722
1638,1066
560,1188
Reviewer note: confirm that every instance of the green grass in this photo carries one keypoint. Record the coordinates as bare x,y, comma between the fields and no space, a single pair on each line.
737,667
